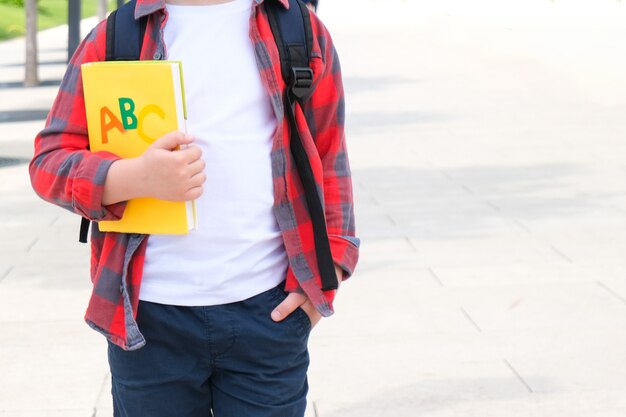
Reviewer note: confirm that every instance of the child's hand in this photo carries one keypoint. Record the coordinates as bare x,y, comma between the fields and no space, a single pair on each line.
295,300
171,174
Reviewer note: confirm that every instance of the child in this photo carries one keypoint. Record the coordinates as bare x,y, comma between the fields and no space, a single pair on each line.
216,321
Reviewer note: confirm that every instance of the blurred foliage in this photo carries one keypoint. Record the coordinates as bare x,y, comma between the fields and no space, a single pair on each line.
50,13
18,3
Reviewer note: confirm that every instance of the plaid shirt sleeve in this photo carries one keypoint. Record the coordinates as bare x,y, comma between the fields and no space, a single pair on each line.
63,171
325,114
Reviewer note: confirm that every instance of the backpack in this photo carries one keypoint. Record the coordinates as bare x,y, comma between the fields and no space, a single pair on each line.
293,35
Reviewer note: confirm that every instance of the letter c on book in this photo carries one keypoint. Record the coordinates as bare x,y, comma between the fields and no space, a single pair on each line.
150,108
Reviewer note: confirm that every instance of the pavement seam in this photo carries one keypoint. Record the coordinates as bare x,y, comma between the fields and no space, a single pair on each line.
315,410
435,276
471,320
522,226
101,392
493,206
6,273
467,189
561,254
519,377
611,291
408,240
32,244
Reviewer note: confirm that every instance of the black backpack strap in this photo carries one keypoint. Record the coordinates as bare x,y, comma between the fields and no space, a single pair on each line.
294,37
124,34
124,39
84,230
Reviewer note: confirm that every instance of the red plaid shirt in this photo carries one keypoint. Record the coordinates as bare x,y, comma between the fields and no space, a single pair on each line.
64,172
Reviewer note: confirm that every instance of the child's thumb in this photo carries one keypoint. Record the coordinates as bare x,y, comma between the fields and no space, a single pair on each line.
172,140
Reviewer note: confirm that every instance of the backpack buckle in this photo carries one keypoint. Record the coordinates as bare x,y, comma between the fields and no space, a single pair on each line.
301,81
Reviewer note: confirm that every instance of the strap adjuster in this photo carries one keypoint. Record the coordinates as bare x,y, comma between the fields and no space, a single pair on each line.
301,81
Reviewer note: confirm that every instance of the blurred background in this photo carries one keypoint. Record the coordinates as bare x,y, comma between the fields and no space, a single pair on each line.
487,145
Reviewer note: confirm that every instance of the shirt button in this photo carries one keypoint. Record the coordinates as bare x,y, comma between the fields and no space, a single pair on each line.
157,55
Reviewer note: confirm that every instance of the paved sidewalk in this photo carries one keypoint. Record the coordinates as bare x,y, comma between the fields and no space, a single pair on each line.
487,145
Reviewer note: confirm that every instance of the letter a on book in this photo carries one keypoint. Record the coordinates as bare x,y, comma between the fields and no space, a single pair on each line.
129,105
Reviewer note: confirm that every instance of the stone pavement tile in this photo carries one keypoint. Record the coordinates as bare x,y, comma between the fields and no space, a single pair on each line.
508,180
597,238
15,182
385,251
394,301
19,204
565,358
104,400
614,284
541,210
375,351
569,404
464,222
373,166
104,411
532,306
30,101
601,403
61,272
390,184
52,302
311,410
14,242
376,225
552,215
68,373
60,240
495,275
591,253
61,235
507,248
5,268
20,125
407,376
26,217
32,329
427,203
617,200
446,382
16,148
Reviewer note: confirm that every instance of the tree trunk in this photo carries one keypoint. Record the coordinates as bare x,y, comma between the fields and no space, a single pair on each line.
102,9
31,76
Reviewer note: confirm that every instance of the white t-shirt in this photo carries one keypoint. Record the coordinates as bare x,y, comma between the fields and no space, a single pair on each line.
237,250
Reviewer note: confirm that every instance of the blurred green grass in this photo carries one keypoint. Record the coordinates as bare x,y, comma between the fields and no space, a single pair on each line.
52,13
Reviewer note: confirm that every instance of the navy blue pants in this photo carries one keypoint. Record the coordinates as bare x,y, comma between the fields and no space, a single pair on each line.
230,360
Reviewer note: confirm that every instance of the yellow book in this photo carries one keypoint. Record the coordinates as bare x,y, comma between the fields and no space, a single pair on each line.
129,105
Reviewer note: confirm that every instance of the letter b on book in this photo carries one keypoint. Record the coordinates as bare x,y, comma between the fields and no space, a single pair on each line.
127,109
